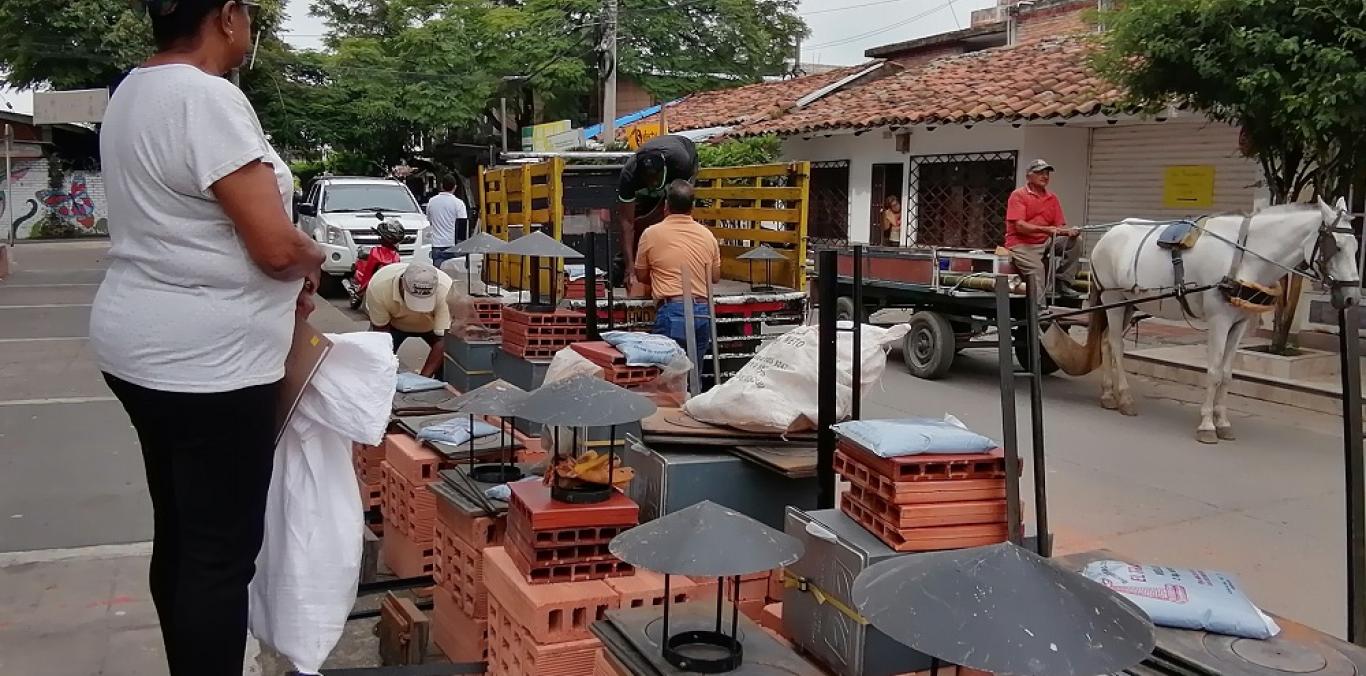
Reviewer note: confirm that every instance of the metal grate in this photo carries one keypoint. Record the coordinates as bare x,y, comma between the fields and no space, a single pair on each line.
960,200
828,214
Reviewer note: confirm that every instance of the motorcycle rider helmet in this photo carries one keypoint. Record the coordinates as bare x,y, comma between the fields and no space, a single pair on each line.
390,232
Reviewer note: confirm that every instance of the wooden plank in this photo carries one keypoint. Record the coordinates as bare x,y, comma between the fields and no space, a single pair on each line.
753,235
369,555
744,193
748,214
403,632
803,181
746,171
783,275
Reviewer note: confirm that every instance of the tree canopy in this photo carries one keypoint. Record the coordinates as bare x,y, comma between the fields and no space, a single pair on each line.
397,75
1290,73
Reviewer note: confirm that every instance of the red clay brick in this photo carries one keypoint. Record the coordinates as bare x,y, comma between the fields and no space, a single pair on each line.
527,332
932,514
410,507
515,651
405,557
754,610
564,537
531,503
600,352
530,353
407,456
459,637
772,618
540,574
930,467
478,530
459,569
646,588
755,589
606,665
775,586
552,613
514,315
916,492
923,539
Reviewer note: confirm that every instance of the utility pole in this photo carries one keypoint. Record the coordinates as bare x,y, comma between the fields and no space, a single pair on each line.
9,187
609,92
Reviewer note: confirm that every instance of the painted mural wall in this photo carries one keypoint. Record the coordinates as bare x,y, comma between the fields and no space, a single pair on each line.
75,207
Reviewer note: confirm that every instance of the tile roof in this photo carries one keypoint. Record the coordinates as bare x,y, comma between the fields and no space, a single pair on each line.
1045,79
721,107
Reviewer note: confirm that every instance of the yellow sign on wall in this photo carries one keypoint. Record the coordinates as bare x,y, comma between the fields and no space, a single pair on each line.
638,135
1188,186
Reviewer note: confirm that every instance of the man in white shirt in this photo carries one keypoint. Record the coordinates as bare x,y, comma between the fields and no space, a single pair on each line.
449,218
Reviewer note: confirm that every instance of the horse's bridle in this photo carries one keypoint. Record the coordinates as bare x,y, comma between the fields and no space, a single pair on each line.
1326,249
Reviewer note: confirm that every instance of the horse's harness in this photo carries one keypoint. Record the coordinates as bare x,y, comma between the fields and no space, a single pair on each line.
1179,236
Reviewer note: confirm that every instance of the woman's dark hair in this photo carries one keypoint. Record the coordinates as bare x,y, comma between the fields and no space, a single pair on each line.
174,21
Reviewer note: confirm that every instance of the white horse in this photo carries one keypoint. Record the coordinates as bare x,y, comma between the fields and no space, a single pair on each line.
1127,264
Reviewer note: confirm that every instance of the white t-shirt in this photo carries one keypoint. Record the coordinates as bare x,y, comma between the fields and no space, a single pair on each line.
442,212
183,308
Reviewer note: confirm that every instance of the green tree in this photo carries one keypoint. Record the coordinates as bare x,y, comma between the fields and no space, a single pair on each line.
75,44
1290,73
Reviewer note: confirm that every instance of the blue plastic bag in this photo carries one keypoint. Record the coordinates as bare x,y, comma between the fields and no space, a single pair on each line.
1186,598
411,382
913,436
455,431
644,349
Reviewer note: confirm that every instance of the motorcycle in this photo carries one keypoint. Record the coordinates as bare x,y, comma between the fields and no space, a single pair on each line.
370,260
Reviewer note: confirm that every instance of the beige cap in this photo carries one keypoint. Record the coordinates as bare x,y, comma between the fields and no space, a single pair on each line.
420,283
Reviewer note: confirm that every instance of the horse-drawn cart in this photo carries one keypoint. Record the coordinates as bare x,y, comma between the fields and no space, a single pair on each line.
951,293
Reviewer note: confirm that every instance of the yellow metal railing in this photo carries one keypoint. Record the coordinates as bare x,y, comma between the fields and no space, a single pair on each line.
514,199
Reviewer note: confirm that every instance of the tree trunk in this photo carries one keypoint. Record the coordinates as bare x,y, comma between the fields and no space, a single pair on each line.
1286,308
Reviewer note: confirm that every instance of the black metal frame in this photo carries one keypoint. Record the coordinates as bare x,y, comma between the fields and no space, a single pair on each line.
914,189
825,223
828,289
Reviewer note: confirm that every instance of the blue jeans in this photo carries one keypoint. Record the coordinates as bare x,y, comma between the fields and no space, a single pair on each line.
670,321
440,256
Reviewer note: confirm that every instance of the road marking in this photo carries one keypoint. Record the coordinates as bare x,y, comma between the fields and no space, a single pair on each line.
43,339
43,306
56,400
93,553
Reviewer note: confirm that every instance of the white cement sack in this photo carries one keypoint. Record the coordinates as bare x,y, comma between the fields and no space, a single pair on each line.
1186,598
306,573
776,390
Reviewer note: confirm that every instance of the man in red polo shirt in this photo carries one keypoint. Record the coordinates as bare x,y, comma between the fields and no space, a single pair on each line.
1034,222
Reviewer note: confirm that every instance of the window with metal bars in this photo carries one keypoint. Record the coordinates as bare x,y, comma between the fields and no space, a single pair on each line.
960,199
828,213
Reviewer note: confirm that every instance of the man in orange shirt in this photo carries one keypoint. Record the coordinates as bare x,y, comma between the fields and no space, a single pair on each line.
668,247
1036,228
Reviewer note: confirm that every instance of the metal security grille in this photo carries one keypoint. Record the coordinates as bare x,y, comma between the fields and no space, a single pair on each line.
960,200
828,214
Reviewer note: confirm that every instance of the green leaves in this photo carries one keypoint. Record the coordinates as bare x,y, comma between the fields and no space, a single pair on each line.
739,152
1291,73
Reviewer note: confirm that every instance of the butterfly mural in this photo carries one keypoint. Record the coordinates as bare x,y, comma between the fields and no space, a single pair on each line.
72,205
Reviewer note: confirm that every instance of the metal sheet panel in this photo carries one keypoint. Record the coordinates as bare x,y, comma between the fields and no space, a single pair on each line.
837,550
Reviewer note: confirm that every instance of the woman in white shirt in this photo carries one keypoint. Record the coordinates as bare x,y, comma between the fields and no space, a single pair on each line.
194,319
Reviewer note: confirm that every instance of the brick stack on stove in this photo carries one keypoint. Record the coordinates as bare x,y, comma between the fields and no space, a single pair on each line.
539,335
613,363
925,503
551,580
370,477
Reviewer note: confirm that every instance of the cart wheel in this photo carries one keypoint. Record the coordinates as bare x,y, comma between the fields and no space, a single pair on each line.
1021,346
929,347
844,309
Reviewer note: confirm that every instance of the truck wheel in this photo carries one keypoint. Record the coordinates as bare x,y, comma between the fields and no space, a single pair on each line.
1020,344
929,347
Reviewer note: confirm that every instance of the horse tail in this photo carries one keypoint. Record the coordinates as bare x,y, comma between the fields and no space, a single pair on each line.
1072,357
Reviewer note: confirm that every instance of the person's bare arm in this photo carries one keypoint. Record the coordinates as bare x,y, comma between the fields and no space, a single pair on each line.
716,264
251,199
626,218
433,364
642,263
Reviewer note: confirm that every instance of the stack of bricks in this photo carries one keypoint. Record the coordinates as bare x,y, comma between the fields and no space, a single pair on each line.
613,363
925,503
577,289
551,541
409,507
369,474
460,600
539,335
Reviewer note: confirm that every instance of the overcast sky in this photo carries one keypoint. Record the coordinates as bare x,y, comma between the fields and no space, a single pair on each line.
840,29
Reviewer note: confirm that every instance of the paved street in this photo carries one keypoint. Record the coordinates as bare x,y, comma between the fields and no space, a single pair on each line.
1267,507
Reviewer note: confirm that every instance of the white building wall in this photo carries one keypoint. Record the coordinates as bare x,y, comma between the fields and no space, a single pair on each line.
879,146
1066,149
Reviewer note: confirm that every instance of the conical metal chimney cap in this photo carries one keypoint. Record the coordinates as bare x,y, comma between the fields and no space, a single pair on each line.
1003,609
538,244
706,540
763,252
499,398
480,242
585,401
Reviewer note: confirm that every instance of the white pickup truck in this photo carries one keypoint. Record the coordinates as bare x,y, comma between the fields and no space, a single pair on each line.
339,213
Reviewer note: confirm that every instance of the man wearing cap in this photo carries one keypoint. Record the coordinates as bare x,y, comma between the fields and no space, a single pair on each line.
644,179
1036,228
408,300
